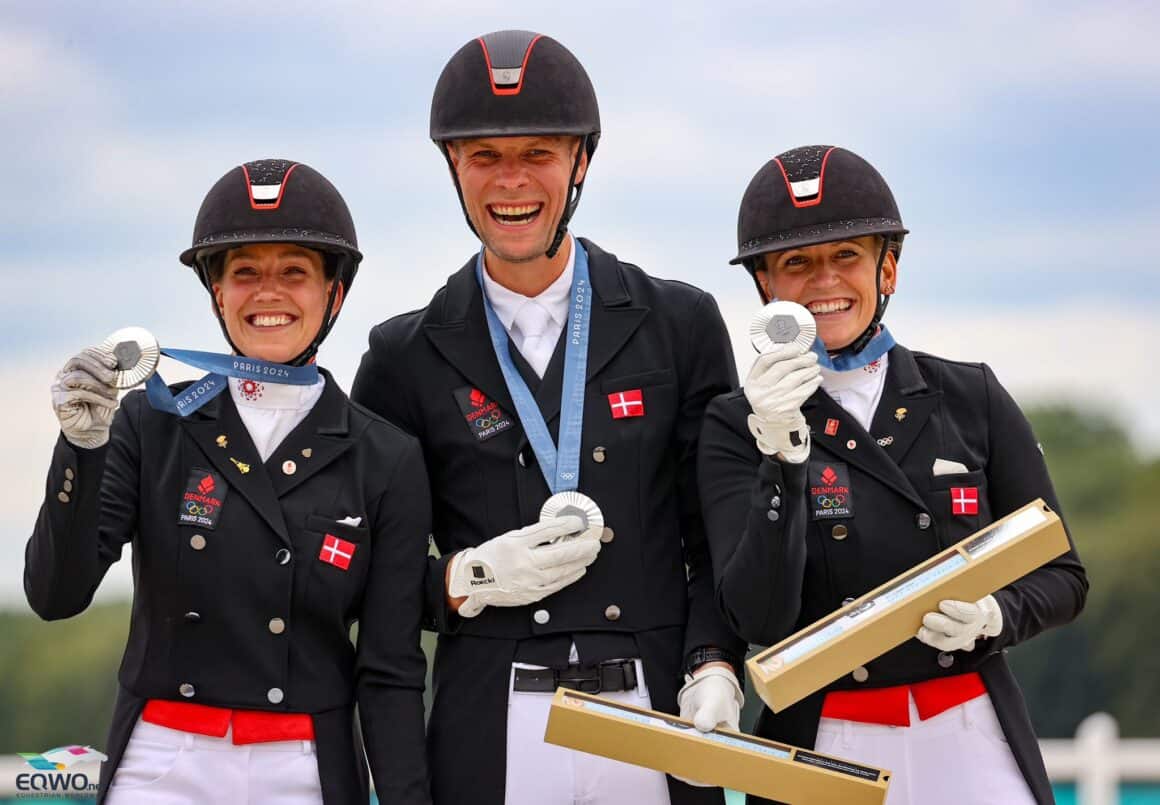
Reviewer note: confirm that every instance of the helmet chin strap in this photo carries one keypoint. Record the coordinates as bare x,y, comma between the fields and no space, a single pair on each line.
859,343
306,355
573,201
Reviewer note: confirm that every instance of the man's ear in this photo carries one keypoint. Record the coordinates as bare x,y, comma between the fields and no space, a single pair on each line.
582,171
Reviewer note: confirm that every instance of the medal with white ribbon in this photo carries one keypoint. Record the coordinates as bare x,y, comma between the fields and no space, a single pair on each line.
138,353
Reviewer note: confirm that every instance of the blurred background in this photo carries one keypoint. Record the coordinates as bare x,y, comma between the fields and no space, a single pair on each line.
1019,139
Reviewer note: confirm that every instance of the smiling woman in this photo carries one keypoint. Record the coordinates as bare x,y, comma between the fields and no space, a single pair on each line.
263,524
924,452
272,298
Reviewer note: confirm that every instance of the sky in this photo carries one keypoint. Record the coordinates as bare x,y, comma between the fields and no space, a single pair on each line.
1019,139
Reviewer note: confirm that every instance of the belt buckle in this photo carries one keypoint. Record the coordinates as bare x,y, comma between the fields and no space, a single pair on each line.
585,683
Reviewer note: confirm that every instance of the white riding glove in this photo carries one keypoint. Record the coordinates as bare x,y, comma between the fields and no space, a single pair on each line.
779,382
711,698
959,624
523,566
85,399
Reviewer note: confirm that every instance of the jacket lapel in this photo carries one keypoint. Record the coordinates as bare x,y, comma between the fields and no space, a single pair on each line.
318,440
904,390
906,405
459,332
614,317
222,436
614,320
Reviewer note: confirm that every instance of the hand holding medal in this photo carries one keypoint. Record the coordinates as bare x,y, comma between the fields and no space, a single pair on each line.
783,377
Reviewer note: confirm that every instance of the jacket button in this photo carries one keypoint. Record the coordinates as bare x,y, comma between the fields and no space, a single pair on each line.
772,515
197,542
839,532
275,695
847,601
776,489
522,458
186,690
62,497
945,659
541,616
860,674
193,617
68,473
277,625
607,535
598,455
775,501
612,613
67,485
922,520
282,557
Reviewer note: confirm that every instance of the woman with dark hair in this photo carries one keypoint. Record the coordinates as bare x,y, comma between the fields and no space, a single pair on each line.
265,520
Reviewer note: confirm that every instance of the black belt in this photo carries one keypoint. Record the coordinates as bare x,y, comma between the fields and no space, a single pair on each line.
607,676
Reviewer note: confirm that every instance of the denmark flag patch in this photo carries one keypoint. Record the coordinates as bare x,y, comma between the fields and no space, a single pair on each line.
629,402
337,552
964,500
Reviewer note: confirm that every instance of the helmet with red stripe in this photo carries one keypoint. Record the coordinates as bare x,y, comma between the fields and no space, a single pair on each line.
516,84
276,201
818,194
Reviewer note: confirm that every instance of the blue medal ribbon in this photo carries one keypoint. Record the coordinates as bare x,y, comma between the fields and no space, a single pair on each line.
220,367
561,467
878,346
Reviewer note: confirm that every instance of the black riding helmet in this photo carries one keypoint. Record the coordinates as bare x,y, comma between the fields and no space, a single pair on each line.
516,84
818,194
276,201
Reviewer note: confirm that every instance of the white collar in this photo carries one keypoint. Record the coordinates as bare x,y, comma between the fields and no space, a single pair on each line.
553,299
863,378
275,396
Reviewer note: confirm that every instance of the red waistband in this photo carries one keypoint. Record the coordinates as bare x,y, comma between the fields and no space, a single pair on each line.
891,705
250,726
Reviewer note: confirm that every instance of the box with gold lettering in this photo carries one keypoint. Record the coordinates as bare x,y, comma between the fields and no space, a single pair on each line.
868,627
721,757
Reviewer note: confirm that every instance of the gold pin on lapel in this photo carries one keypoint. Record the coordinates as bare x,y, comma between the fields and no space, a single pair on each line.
900,414
222,441
243,467
307,452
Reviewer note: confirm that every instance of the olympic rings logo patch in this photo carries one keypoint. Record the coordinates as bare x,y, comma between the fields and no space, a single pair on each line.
193,507
488,420
831,501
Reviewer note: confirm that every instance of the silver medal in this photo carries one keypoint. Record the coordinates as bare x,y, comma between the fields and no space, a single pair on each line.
782,322
137,354
574,504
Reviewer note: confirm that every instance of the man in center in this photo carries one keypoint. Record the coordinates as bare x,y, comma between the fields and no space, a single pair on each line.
546,365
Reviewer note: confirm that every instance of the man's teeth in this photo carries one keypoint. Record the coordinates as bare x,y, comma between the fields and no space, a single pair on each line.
271,320
829,307
515,213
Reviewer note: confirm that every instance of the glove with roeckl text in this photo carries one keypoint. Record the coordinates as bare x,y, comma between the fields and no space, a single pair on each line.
779,382
522,566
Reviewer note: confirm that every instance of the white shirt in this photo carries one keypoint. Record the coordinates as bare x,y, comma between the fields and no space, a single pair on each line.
271,410
552,313
858,390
